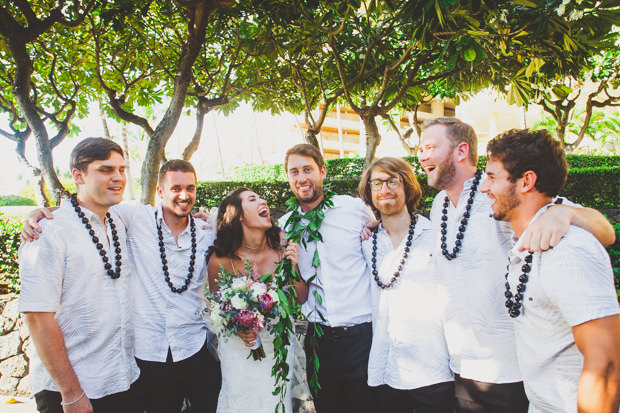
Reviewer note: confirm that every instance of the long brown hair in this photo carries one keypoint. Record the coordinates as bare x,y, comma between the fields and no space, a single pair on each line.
229,230
397,168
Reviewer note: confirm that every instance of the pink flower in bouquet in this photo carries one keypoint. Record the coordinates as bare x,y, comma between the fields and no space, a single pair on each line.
246,318
266,302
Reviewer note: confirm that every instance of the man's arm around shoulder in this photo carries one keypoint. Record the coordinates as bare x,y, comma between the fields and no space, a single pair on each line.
599,384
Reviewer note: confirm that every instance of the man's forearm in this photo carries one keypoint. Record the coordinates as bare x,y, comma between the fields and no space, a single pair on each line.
595,223
598,391
50,345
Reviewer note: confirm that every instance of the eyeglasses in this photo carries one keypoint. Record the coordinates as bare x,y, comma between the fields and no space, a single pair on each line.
377,184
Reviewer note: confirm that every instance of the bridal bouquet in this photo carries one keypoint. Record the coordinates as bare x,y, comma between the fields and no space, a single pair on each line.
243,303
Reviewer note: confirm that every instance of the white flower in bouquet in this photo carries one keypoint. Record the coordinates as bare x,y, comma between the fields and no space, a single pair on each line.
217,319
226,293
257,290
238,302
239,284
274,296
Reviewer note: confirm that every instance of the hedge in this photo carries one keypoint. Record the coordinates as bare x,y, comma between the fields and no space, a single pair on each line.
16,200
9,244
592,187
354,167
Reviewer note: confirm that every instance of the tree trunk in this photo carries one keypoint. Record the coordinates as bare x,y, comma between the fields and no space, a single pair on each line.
310,137
157,144
104,123
192,146
373,138
21,91
128,171
39,191
560,131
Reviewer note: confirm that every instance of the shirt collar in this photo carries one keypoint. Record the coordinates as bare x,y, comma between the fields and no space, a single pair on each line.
90,215
160,220
421,226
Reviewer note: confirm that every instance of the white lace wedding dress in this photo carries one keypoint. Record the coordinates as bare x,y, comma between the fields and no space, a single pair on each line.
247,384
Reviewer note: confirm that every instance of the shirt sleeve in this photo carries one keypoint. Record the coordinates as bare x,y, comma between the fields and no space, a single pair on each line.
578,279
127,211
41,270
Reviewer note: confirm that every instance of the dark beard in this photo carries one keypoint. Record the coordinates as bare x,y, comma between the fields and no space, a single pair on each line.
510,202
446,174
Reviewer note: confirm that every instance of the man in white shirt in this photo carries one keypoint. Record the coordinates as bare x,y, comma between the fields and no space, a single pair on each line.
76,294
168,252
563,301
470,253
409,363
339,287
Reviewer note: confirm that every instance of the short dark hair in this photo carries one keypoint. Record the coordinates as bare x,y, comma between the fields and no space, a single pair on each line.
522,150
457,131
176,165
93,149
229,236
395,167
305,149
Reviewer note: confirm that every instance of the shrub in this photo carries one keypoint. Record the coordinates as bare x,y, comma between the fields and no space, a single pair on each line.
592,187
9,244
354,167
16,200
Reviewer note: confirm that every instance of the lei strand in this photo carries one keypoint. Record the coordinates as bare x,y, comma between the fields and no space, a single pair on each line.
284,277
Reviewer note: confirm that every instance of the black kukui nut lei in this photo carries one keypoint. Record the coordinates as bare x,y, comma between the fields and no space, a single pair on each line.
164,261
117,245
514,307
396,275
444,221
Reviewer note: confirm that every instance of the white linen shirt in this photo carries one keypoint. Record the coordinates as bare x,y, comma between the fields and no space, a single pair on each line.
568,285
479,332
408,344
342,280
62,273
165,319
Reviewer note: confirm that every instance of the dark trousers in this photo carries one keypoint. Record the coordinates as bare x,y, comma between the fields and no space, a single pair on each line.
197,378
129,401
343,368
436,398
479,397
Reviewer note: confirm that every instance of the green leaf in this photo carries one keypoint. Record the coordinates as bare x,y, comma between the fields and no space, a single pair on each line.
316,261
318,298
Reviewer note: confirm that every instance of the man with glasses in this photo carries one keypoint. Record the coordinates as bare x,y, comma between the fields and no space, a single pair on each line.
409,367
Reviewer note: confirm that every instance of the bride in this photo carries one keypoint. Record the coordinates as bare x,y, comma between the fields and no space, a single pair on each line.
245,232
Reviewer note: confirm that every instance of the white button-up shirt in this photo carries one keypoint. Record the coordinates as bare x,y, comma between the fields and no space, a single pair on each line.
408,344
63,273
342,280
165,319
568,285
478,330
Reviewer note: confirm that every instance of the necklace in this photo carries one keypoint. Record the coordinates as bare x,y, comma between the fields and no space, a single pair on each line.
117,245
164,261
396,275
514,307
251,248
444,221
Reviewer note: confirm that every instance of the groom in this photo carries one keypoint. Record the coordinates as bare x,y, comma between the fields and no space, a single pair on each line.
339,285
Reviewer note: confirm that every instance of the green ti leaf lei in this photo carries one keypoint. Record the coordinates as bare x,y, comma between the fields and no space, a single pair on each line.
300,234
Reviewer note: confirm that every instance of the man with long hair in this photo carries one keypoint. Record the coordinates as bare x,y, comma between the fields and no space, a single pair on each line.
408,368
